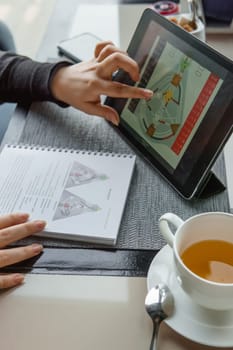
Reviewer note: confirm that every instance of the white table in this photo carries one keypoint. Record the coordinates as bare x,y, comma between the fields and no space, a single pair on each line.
75,312
57,312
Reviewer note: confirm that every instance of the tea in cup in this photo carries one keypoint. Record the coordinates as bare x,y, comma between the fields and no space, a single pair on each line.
203,256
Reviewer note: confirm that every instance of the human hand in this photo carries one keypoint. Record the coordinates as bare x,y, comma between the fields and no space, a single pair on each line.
81,85
12,228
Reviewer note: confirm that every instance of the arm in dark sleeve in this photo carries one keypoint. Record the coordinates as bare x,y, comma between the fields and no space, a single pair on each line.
24,80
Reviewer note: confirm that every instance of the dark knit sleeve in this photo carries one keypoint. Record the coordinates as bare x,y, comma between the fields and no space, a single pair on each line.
24,80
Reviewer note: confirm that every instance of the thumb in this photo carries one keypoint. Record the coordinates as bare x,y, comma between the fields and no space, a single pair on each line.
110,114
106,112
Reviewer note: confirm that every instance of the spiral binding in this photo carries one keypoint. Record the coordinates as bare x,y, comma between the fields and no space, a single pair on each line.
68,150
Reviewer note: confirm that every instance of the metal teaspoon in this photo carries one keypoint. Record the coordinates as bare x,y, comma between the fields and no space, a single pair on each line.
159,305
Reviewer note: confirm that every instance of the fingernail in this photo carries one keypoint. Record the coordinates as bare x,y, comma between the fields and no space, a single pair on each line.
148,93
23,216
37,248
115,121
18,278
40,224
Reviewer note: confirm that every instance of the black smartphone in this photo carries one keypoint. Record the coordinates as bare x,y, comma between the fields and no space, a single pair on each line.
79,48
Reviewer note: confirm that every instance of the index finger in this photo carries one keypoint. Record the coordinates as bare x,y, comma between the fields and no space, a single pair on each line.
118,61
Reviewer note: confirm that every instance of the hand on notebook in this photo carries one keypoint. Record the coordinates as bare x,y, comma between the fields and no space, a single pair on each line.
81,85
12,228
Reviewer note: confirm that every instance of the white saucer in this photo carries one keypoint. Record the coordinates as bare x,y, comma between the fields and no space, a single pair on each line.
204,326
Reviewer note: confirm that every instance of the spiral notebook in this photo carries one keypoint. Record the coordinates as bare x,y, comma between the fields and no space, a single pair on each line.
80,194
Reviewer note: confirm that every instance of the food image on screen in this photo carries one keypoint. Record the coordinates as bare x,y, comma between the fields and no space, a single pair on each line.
183,92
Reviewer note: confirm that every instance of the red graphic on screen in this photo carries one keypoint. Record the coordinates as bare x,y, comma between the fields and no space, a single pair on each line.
195,113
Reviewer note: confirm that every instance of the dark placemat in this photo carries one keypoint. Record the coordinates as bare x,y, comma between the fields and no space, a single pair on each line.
149,196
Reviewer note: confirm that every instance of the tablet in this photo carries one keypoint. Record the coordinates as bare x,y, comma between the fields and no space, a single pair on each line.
184,126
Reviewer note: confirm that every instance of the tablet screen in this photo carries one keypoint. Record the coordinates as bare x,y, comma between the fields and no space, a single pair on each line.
182,128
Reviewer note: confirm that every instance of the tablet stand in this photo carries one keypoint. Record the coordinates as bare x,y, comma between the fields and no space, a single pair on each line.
212,185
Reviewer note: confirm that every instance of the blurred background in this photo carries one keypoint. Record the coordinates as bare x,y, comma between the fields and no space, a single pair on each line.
27,20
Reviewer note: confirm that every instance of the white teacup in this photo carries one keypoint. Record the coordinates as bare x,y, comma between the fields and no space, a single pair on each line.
207,226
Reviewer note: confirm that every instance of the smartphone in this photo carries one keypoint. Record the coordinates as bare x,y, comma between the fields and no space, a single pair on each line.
79,48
